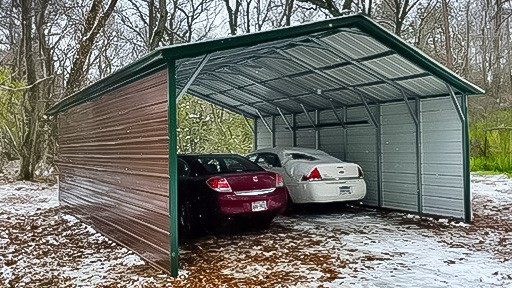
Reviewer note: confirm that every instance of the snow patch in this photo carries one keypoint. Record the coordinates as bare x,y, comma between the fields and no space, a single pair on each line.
71,219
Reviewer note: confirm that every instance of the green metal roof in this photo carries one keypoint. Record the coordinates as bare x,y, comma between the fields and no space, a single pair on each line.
312,66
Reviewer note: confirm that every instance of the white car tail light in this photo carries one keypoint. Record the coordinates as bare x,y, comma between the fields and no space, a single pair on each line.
219,184
313,175
360,173
279,181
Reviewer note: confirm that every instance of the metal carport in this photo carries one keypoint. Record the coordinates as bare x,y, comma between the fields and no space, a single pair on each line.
343,85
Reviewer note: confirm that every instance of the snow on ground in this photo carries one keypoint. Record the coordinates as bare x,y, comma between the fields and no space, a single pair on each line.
323,246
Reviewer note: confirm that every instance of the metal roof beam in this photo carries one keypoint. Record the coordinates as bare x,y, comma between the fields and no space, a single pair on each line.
248,52
289,96
409,107
244,103
456,104
265,122
235,109
303,95
285,120
337,116
375,56
266,86
369,111
302,73
308,116
193,77
332,89
323,74
280,91
255,95
248,124
367,69
343,30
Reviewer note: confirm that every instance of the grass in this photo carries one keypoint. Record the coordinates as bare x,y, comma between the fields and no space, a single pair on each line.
493,164
491,141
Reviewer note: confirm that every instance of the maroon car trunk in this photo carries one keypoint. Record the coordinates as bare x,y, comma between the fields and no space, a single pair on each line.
249,189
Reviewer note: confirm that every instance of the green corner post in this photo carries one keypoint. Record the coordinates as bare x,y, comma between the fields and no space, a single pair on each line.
468,215
173,162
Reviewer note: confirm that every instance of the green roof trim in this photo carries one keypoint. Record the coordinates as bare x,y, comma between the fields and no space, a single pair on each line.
157,59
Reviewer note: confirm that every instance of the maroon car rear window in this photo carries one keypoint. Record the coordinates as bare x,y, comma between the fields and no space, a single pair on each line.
226,164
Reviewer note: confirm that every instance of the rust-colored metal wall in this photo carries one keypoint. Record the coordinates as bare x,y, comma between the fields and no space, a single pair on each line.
113,163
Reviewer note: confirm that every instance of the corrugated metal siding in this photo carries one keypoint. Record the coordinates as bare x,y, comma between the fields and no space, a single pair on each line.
399,164
442,177
113,160
263,138
362,149
283,134
332,139
305,137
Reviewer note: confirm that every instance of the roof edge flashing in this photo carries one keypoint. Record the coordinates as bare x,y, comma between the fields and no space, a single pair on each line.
103,85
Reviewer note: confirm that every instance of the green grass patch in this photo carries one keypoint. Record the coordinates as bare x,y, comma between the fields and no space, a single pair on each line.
492,165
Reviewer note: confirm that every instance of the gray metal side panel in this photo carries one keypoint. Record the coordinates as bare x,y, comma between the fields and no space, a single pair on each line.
441,130
283,134
263,137
331,139
305,137
399,170
362,149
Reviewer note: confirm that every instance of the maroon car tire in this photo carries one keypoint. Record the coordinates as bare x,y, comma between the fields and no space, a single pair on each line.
186,223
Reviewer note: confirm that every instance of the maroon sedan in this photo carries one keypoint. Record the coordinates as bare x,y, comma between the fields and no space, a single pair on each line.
216,188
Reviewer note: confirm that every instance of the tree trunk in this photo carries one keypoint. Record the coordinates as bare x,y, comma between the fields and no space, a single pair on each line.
233,15
30,98
447,35
94,23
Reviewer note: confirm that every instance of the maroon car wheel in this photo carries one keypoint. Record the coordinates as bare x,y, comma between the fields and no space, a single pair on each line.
186,223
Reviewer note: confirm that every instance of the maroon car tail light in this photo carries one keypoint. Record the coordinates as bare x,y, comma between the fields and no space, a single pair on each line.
219,184
313,175
279,181
360,173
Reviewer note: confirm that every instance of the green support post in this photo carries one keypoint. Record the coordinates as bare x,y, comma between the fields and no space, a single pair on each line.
173,163
468,215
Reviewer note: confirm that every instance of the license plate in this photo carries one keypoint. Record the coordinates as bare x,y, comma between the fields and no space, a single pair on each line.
259,206
345,190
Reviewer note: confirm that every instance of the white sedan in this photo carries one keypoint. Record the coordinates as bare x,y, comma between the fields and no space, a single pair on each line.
313,175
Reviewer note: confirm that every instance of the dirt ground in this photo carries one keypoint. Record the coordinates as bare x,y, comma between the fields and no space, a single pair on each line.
324,246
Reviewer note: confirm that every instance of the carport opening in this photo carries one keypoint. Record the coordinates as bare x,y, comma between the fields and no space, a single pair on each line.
349,94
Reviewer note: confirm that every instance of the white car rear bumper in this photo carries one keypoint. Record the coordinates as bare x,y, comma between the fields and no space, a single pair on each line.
329,191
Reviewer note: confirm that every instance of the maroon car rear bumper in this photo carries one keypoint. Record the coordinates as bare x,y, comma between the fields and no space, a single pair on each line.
237,205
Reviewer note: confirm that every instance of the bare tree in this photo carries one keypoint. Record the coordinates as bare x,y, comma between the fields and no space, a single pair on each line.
94,22
233,15
447,34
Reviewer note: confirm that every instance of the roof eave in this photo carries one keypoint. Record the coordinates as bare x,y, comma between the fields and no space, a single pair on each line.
100,87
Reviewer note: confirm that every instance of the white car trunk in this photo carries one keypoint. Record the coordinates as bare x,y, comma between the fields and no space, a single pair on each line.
337,171
329,171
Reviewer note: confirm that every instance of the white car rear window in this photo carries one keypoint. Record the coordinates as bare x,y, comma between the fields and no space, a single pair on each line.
302,156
